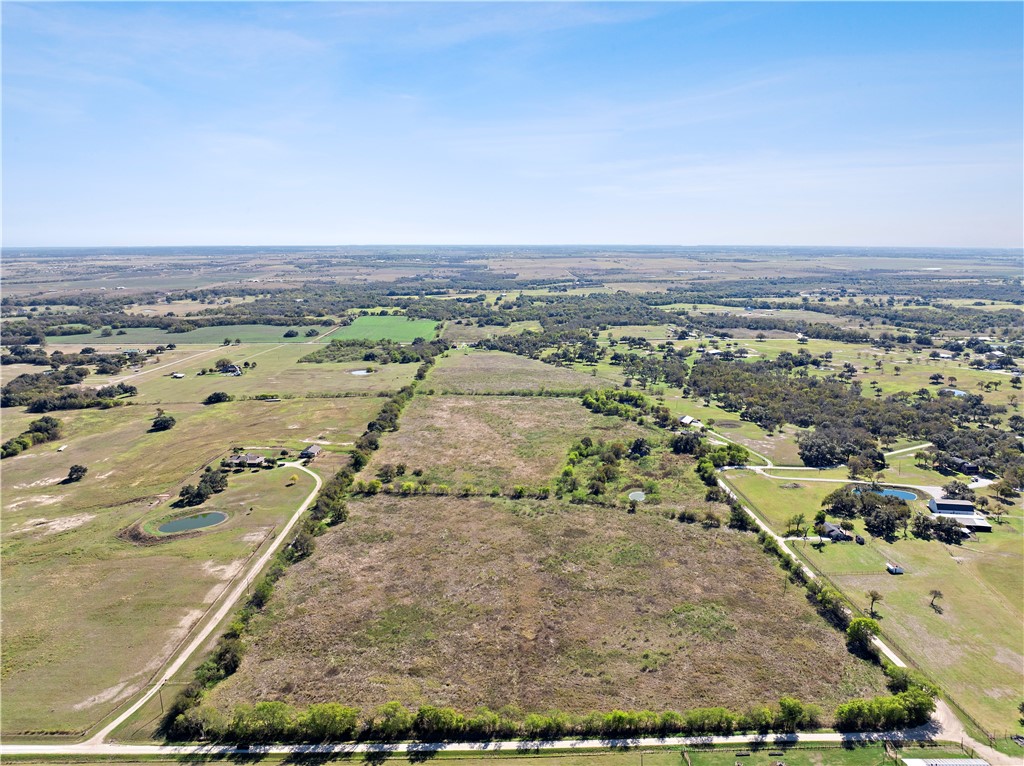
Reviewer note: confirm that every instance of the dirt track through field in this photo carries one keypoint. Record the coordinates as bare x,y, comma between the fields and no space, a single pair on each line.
225,609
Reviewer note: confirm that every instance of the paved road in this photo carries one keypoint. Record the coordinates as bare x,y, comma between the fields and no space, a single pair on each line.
944,726
509,746
229,604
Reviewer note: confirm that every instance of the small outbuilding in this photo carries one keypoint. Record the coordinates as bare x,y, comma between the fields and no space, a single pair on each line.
893,568
311,452
834,533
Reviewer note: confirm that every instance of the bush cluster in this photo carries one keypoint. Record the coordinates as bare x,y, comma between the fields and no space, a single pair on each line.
45,429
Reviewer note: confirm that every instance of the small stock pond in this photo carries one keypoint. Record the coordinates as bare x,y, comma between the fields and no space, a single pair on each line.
196,521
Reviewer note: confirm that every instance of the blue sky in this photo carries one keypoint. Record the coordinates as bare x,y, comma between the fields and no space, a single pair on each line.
362,123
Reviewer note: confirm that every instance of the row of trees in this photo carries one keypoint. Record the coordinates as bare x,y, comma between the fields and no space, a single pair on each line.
271,722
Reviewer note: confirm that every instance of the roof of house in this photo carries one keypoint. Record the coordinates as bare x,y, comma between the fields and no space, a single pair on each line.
833,529
950,503
944,762
686,420
966,520
313,449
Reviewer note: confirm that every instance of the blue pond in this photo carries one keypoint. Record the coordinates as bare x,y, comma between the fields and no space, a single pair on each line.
903,494
198,521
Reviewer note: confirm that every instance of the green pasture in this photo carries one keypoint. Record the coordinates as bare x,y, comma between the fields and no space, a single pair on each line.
913,373
141,337
126,461
399,329
843,558
775,504
653,332
89,618
277,371
779,447
973,643
470,333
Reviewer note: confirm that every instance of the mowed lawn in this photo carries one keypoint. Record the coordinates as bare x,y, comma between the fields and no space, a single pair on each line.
972,649
88,618
487,372
777,503
399,329
541,605
493,441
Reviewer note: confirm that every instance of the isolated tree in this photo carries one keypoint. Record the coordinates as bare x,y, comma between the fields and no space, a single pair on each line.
935,594
76,473
293,478
875,597
163,422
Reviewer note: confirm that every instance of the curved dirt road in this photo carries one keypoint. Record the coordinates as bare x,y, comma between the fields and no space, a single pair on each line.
230,603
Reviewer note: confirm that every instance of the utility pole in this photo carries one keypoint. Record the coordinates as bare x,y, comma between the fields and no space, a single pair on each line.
160,694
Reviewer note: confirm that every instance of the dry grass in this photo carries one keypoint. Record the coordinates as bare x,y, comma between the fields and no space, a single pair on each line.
539,605
492,441
485,372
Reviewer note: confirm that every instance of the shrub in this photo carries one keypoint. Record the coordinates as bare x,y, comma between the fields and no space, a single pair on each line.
76,473
163,422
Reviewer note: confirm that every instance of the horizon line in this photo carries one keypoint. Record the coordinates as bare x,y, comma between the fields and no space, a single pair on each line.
1017,248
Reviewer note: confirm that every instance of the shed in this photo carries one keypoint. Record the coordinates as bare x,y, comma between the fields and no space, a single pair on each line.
972,522
311,451
893,568
950,506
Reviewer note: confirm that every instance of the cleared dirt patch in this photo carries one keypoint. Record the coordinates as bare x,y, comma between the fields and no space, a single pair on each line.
492,441
539,605
488,372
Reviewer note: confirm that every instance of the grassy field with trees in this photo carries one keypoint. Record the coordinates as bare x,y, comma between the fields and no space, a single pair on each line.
542,606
